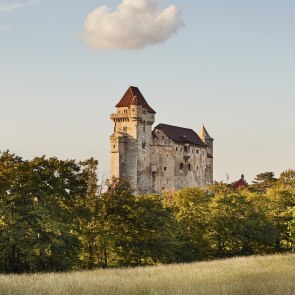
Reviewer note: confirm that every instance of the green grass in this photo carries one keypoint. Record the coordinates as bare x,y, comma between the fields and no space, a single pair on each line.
247,276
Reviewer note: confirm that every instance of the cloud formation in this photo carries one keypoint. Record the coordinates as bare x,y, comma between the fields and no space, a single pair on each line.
21,4
134,24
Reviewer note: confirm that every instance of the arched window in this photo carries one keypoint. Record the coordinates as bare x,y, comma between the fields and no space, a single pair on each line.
181,166
189,167
143,145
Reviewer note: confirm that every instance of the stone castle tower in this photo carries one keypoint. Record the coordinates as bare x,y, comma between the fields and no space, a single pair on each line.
164,158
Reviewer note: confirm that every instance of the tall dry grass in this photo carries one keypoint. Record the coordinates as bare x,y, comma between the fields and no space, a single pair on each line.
271,275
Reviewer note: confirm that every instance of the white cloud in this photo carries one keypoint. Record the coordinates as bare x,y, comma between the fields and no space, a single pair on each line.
134,24
8,6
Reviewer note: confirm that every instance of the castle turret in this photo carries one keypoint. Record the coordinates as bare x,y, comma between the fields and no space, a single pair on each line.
130,142
204,135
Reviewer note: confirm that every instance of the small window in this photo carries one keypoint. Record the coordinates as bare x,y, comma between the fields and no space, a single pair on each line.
185,149
144,111
114,146
192,151
165,168
125,129
143,128
143,145
197,168
163,137
189,167
181,149
176,149
181,166
197,151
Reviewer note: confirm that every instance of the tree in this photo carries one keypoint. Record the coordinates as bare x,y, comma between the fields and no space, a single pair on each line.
190,210
263,182
279,206
292,229
87,216
237,226
37,203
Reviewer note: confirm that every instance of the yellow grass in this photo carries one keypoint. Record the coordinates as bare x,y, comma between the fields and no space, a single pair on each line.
246,276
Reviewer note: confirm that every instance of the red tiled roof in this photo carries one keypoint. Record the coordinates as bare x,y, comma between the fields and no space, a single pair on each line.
179,134
133,96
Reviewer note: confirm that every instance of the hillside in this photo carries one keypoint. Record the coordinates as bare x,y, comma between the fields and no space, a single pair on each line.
252,275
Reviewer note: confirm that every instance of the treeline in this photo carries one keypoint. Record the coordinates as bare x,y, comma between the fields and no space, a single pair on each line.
55,217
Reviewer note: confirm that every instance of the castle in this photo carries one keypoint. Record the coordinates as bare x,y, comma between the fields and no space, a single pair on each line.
154,160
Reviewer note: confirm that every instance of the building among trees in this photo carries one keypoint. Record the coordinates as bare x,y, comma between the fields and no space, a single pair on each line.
153,160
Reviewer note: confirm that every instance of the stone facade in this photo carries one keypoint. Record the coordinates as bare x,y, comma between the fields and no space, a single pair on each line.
153,160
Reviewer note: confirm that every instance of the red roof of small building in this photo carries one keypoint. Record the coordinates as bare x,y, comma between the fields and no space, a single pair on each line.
240,183
133,96
180,134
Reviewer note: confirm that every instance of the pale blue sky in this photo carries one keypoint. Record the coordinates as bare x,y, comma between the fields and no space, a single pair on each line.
232,67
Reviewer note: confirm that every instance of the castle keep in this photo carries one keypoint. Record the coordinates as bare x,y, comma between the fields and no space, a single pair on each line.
164,158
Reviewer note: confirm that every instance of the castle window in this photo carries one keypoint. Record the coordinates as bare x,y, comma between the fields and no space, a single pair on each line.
197,168
114,146
189,167
176,149
181,149
125,129
197,151
185,149
162,137
143,128
144,111
192,151
165,168
181,166
143,145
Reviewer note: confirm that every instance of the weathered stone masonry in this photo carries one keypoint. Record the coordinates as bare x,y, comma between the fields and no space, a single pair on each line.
164,158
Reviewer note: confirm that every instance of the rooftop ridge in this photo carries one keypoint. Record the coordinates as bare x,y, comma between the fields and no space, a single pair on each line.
181,134
133,96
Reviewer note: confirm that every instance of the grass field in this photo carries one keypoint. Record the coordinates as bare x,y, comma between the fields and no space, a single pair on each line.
247,276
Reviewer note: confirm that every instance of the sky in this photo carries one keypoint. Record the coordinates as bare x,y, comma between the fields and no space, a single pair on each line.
227,64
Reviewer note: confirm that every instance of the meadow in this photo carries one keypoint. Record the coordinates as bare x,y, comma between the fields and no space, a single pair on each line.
271,275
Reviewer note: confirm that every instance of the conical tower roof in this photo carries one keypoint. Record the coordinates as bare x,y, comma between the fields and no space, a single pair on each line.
133,96
204,134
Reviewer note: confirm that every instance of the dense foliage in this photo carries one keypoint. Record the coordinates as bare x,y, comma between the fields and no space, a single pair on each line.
55,217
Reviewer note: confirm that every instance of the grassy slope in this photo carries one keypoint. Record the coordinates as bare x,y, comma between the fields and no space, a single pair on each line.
254,275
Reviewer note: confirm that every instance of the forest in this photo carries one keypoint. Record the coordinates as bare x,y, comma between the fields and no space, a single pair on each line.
55,215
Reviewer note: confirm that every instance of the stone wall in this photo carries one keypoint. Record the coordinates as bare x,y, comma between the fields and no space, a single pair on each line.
151,162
